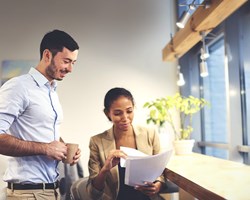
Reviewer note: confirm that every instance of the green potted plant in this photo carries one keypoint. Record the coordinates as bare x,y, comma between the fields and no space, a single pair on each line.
163,110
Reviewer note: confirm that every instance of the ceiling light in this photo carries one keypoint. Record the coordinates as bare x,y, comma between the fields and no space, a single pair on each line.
204,49
184,18
204,53
180,81
203,69
191,6
207,4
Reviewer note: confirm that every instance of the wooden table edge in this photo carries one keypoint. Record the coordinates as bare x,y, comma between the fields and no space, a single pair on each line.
191,187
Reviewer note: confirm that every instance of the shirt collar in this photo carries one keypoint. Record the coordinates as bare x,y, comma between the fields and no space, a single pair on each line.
41,79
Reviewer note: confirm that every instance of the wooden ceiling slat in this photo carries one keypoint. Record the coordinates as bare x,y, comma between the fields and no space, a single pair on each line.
201,20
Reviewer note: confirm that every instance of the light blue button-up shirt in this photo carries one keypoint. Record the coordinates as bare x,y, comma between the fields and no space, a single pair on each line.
30,110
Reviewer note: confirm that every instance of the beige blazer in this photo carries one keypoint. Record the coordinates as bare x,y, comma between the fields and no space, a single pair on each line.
147,141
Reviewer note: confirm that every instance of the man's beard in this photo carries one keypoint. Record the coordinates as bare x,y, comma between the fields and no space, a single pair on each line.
51,71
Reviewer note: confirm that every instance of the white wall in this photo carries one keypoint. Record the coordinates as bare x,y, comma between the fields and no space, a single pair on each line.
120,45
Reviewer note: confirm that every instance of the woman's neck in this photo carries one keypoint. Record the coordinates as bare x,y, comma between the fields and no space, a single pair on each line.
125,138
118,133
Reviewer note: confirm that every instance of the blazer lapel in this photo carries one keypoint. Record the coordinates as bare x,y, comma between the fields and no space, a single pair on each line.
108,142
142,140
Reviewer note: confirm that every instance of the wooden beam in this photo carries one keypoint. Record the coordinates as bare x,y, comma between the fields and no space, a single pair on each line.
201,20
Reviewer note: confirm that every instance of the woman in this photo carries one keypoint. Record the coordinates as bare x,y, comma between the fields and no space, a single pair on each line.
106,179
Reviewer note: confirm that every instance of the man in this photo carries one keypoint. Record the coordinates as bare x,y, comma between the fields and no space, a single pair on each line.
30,115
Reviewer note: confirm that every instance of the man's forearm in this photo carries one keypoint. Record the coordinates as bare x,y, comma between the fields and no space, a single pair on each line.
12,146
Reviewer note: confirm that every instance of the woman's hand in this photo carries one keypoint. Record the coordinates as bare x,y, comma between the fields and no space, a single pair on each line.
149,189
113,159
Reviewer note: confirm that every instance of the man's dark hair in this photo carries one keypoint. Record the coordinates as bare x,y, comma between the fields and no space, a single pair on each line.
55,41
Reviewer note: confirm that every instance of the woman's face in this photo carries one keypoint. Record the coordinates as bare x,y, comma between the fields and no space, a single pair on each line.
121,113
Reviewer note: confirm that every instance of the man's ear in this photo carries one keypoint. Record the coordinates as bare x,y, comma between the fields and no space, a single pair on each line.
47,55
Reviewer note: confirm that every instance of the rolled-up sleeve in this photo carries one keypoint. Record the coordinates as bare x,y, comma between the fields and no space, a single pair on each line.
12,103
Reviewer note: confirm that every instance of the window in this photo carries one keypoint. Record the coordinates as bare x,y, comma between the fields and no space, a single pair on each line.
223,130
245,83
214,90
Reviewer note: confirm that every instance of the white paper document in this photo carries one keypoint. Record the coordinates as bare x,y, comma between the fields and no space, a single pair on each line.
131,153
141,168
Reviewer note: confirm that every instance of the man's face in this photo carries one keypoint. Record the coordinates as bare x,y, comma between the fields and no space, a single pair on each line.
61,64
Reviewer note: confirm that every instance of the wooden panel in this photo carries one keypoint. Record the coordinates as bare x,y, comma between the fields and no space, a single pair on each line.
201,20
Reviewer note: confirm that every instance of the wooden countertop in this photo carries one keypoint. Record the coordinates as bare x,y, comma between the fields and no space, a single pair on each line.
209,178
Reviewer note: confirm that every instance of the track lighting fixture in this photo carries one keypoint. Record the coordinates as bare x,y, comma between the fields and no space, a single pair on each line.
207,4
191,7
203,68
204,53
204,49
180,80
184,18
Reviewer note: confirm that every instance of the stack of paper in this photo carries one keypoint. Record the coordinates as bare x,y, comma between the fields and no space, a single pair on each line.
141,168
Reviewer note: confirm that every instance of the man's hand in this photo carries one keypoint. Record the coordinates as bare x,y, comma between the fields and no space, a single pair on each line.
56,150
76,157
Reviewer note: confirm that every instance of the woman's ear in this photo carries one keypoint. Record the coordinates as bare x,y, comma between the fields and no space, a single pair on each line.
107,114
